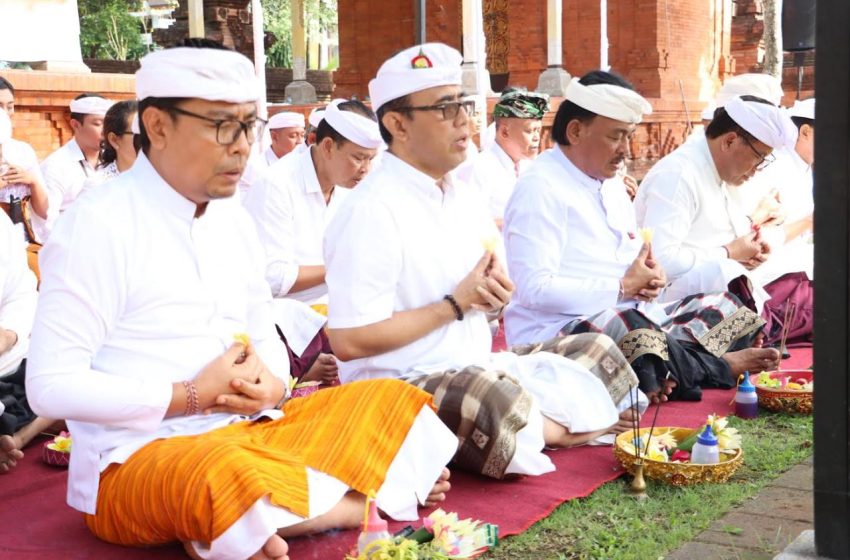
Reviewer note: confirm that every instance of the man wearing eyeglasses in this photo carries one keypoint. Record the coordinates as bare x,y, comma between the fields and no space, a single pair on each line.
145,285
702,238
415,271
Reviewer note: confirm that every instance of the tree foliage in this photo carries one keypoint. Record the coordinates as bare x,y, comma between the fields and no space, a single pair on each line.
108,31
319,15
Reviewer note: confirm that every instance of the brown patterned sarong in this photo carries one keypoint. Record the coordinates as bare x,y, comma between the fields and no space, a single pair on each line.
597,352
485,409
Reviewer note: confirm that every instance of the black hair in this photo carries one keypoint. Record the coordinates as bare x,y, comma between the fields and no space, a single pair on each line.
115,122
79,117
390,106
168,104
569,111
800,121
325,130
722,123
6,84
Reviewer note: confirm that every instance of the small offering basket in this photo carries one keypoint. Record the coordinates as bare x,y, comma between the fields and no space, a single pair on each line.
676,474
57,451
783,399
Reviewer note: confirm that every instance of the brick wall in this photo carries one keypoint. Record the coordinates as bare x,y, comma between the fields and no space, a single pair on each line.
42,99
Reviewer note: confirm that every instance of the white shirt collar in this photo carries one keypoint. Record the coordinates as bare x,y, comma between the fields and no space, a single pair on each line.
580,176
161,193
75,151
417,180
701,146
308,168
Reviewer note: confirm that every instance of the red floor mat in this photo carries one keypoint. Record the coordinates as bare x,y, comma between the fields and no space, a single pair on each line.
35,523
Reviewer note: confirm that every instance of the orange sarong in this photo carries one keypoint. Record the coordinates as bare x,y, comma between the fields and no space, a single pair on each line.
192,488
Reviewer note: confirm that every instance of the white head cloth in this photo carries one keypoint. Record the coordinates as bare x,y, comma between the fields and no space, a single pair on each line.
211,74
765,86
608,100
804,109
415,69
707,114
5,127
316,116
91,106
286,119
767,123
353,127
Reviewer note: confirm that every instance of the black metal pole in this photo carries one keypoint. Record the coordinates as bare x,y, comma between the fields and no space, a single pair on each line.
832,288
419,10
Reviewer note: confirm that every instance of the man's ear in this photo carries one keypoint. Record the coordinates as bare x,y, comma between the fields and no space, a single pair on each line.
575,132
157,123
396,125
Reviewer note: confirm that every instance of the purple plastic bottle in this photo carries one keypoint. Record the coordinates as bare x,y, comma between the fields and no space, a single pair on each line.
746,400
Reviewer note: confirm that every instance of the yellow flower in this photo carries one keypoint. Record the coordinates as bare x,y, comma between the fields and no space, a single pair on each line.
61,443
727,438
666,440
243,339
490,243
646,234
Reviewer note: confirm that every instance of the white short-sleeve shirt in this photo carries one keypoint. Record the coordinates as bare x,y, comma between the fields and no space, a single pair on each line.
400,242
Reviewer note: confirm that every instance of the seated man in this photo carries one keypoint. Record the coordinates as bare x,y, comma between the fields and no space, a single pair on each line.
292,204
18,297
580,266
133,345
518,118
412,280
287,132
66,169
702,239
298,196
788,273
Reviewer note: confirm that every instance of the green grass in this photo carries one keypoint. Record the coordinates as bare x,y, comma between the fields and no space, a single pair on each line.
610,524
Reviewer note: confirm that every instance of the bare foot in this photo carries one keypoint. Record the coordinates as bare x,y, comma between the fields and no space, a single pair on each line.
626,421
753,360
659,396
10,454
438,492
274,549
758,341
324,369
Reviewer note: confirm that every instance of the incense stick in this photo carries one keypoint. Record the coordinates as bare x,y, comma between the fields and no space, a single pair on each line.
790,312
655,416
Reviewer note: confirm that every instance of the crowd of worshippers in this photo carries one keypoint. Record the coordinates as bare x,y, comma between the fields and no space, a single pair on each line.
373,250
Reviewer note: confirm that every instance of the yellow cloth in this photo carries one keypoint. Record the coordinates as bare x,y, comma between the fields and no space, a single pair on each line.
192,488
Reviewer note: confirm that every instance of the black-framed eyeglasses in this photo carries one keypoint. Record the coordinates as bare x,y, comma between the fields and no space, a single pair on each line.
449,109
227,131
764,159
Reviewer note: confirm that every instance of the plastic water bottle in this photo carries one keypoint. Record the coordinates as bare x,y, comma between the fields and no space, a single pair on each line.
373,529
746,400
706,451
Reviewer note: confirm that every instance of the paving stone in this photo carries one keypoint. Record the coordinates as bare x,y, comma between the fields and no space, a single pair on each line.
708,551
757,532
783,503
800,478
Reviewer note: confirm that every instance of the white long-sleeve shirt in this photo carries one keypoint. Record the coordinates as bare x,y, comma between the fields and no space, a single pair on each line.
138,294
685,202
791,177
289,210
494,174
18,295
569,239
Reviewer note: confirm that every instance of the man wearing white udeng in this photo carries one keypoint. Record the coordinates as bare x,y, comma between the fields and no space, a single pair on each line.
411,288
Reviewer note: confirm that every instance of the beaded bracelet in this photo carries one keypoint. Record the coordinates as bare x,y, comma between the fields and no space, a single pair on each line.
453,302
193,406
